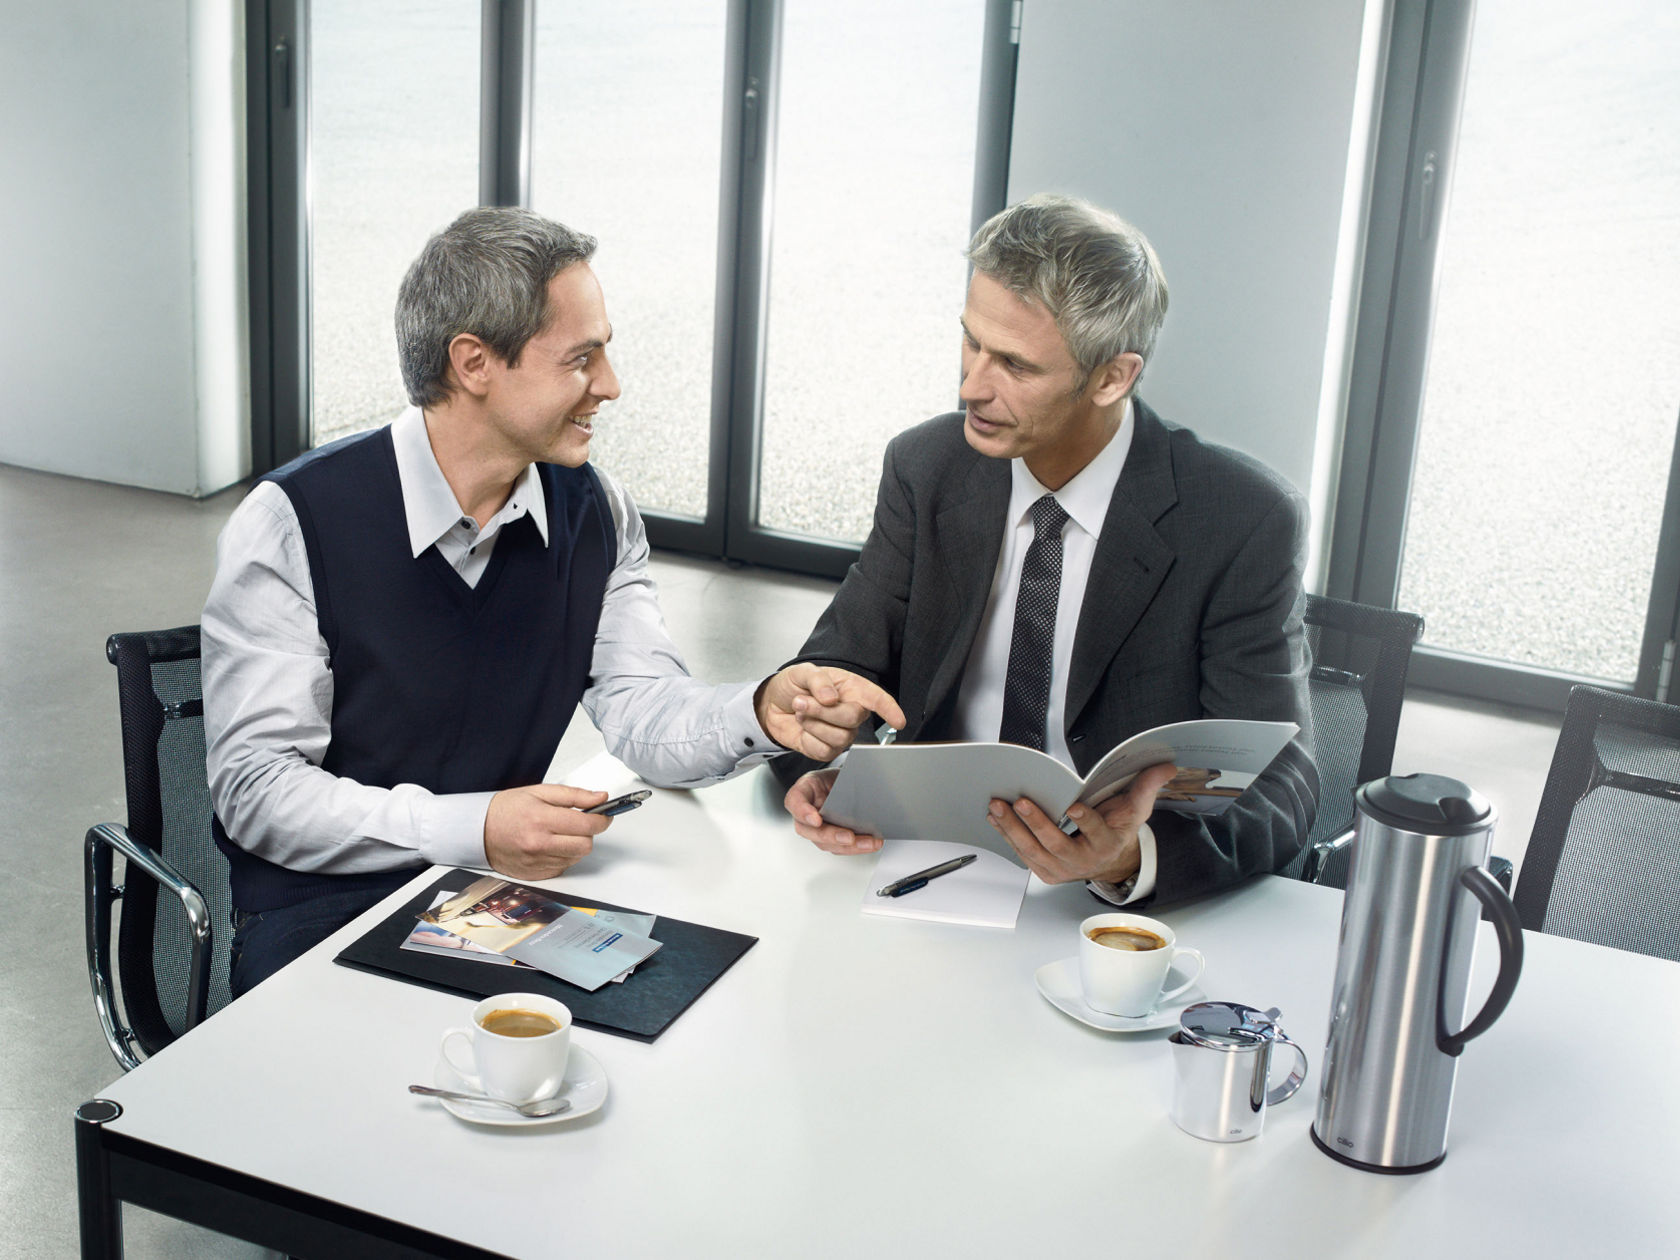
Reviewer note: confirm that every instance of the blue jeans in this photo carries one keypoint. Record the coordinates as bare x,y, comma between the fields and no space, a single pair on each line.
265,942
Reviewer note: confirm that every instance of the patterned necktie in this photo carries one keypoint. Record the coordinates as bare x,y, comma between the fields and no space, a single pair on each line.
1026,687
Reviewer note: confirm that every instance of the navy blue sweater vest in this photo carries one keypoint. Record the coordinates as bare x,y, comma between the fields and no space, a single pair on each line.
454,688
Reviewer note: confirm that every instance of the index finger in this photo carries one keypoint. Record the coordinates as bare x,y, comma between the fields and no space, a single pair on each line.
568,796
875,698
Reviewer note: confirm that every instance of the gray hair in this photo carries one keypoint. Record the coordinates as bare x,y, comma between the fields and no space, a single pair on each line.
486,274
1096,274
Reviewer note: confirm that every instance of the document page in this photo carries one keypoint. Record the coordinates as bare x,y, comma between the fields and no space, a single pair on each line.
985,893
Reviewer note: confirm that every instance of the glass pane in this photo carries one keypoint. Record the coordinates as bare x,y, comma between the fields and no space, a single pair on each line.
625,145
874,190
1554,373
393,157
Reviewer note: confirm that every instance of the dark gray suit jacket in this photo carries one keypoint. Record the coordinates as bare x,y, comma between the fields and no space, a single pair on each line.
1193,609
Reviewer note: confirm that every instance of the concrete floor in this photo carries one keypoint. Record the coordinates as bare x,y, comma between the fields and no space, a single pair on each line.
79,560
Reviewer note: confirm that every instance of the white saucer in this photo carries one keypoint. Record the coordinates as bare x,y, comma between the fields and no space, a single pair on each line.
585,1084
1059,983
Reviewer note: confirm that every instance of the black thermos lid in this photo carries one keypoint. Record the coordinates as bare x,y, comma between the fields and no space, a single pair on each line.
1429,803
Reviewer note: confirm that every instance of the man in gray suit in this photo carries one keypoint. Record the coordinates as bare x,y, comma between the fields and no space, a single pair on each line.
1060,564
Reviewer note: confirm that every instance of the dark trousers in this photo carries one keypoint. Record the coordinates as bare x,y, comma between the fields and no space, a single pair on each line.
265,942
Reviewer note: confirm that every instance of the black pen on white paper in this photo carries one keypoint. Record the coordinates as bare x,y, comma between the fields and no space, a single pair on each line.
910,883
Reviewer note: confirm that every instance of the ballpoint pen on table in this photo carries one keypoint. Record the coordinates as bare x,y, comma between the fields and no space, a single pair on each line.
912,882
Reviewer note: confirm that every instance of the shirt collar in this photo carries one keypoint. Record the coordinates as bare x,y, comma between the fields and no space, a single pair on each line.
1087,495
428,502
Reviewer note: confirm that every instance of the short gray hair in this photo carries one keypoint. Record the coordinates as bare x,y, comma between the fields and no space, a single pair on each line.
486,274
1096,274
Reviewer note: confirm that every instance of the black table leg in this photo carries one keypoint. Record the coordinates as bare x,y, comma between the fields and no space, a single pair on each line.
101,1211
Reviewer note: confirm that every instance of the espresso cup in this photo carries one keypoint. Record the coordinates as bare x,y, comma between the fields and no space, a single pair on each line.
518,1044
1124,960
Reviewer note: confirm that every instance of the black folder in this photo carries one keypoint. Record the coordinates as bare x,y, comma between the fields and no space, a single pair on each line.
661,988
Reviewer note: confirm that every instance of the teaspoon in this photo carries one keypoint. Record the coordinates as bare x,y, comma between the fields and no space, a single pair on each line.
541,1107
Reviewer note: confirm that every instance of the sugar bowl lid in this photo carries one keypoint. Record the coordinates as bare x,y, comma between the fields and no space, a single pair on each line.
1228,1025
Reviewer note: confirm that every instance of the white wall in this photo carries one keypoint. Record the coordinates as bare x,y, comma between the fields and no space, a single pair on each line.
1227,131
122,277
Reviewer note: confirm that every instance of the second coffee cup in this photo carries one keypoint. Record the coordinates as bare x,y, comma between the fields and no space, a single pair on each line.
1124,960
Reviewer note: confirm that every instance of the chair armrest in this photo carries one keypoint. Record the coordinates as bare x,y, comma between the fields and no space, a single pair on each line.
1500,868
101,894
1319,855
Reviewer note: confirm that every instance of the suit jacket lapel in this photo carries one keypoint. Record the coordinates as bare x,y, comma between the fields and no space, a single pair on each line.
1130,562
968,538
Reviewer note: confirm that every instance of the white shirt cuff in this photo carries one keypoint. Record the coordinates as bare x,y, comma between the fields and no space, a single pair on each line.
1138,886
452,829
747,739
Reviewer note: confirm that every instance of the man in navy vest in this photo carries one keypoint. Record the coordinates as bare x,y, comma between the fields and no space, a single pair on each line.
403,623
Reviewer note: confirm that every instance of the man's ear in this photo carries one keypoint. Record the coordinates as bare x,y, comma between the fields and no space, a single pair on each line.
470,360
1114,379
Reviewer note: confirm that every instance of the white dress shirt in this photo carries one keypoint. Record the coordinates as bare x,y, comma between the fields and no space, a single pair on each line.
1085,499
268,691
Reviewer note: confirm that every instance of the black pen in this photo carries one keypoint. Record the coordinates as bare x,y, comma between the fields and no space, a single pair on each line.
919,880
619,804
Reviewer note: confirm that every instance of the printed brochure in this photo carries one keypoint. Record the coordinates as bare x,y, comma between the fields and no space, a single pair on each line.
581,946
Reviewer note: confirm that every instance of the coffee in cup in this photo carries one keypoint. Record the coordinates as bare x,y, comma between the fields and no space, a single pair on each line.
1125,936
1124,960
519,1044
518,1022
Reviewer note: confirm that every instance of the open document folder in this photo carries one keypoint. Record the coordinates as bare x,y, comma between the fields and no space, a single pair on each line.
942,791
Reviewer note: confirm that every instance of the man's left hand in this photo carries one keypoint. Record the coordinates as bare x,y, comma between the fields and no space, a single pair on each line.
1106,845
816,709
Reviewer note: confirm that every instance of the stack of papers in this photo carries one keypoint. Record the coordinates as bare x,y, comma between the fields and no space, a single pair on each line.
498,921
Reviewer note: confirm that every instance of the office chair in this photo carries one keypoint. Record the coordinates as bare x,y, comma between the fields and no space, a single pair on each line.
1603,863
1359,657
169,954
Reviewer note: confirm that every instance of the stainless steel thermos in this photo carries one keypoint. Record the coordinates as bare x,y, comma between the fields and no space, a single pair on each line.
1416,887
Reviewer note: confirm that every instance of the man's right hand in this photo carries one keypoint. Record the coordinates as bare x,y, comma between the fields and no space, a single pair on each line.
805,800
536,832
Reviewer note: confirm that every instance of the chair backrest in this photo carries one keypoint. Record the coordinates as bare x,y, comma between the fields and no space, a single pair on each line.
169,812
1359,657
1603,863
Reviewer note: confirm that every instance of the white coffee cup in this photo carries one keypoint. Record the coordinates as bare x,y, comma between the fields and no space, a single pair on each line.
519,1062
1127,981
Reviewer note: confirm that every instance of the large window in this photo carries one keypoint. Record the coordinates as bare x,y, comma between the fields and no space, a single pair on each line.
393,156
874,169
1530,374
627,140
1554,365
782,190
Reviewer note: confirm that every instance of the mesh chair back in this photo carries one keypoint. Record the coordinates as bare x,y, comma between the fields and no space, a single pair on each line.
1603,863
169,812
1360,656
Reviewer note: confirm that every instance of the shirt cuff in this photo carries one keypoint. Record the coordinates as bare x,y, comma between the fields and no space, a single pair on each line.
747,739
1138,886
452,829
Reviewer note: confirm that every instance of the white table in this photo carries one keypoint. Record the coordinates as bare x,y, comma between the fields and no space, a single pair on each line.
866,1086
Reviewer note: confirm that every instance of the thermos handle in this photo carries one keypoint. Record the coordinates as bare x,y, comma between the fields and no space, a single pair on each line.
1509,930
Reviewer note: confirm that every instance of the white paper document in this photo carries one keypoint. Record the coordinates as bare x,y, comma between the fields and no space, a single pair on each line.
942,791
985,893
